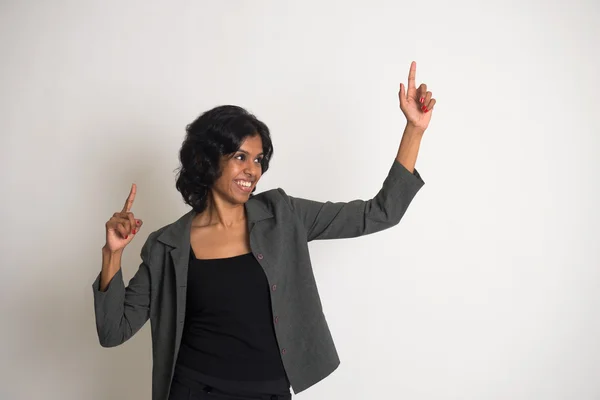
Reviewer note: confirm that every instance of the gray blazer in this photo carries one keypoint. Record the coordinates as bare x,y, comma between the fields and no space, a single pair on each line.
280,228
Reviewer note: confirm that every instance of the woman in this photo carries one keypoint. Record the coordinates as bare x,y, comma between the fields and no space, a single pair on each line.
229,288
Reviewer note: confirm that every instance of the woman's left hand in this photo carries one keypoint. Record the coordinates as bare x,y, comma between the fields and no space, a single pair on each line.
416,104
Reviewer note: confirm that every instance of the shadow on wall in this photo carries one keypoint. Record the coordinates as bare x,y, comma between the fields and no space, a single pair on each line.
124,372
56,353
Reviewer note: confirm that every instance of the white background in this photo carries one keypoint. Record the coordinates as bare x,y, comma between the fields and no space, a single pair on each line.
488,288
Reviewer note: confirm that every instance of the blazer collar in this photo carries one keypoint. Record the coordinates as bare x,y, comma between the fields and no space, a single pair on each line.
177,234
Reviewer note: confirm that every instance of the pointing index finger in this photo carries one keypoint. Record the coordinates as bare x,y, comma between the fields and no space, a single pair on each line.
412,74
130,198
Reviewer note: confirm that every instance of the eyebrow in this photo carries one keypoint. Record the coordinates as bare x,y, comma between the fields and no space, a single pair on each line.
245,152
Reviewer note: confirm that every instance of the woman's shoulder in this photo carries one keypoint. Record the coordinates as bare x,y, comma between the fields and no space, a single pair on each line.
272,198
171,234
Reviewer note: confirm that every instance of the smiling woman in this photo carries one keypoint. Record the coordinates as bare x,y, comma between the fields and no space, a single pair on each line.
229,287
222,145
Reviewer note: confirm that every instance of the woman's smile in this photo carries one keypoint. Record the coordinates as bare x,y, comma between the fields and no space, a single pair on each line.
243,185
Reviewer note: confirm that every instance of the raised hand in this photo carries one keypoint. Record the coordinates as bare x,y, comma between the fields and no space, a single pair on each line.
122,227
416,104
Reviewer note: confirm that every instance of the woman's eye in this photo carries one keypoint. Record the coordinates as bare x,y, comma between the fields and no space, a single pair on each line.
242,157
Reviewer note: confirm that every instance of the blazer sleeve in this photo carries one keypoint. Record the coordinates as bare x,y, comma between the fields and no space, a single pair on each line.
121,311
339,220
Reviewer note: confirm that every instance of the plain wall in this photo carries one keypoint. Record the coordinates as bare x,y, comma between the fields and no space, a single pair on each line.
487,289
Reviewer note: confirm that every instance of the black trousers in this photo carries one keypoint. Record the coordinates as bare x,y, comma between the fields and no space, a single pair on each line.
191,385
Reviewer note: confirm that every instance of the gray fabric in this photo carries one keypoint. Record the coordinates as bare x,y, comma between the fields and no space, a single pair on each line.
280,228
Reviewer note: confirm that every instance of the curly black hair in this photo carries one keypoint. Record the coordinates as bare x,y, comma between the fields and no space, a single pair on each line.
215,133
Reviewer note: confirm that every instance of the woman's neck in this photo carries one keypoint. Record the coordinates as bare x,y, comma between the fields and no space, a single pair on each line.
221,214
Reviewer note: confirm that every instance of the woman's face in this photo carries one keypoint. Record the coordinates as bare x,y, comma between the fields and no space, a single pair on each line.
241,172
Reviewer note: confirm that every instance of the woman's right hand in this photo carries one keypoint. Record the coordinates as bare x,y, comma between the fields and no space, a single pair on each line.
122,227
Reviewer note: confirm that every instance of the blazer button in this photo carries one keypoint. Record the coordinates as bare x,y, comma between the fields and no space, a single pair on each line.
283,351
276,319
260,256
274,287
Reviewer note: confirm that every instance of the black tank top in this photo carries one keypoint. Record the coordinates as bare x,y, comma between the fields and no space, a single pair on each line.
228,331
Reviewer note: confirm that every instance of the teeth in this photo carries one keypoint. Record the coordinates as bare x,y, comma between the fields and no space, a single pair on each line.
243,183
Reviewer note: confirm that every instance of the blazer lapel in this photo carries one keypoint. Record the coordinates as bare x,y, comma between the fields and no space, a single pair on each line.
177,236
256,211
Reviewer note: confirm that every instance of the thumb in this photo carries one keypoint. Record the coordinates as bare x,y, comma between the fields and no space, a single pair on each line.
402,96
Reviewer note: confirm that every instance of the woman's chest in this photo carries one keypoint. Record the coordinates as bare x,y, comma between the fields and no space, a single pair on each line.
210,243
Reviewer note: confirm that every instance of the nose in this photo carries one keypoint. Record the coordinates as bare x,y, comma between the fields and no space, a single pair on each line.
252,169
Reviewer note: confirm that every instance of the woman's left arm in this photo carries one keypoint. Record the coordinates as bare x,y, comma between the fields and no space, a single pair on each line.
329,220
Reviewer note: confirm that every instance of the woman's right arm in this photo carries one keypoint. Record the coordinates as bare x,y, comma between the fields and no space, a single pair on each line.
111,264
121,311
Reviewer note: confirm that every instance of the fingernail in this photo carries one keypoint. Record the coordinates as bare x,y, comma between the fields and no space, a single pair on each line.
426,110
126,236
421,99
133,232
423,108
138,222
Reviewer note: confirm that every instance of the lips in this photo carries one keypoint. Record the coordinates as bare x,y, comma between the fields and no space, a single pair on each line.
245,189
